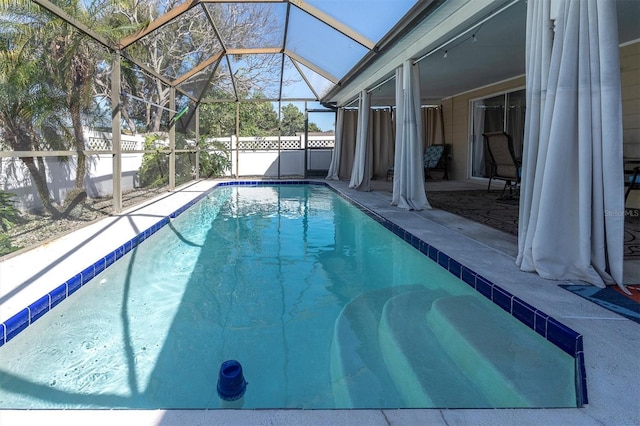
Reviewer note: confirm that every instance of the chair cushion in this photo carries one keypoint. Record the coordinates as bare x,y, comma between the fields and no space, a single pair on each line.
432,156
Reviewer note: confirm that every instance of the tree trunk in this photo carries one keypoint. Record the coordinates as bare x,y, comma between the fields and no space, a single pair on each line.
39,178
22,142
78,133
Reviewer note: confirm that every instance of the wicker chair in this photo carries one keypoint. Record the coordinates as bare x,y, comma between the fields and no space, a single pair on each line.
503,163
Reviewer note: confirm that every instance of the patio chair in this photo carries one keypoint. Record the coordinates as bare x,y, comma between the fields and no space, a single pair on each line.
631,177
436,157
503,164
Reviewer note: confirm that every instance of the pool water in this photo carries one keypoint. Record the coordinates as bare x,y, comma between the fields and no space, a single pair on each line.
322,306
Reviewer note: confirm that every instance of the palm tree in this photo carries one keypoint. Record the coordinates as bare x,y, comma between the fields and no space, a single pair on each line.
52,66
26,105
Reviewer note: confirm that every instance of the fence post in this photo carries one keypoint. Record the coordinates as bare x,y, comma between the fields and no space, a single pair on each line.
235,148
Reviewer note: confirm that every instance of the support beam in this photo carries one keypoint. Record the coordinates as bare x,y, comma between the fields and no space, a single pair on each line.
45,4
323,73
157,23
197,69
237,139
197,116
115,132
334,23
172,141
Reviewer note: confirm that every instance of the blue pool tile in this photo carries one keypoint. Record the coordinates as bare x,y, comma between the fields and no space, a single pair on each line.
88,274
424,248
468,276
562,336
502,298
109,259
579,347
74,283
38,308
129,245
2,334
541,323
581,380
119,252
58,294
455,267
100,265
524,312
433,253
415,242
484,286
443,260
16,324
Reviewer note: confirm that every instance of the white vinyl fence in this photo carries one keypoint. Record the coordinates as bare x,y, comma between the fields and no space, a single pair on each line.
250,156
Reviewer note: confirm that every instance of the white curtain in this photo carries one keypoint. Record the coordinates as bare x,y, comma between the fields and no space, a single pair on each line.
479,158
334,166
361,172
571,204
348,149
381,141
408,170
432,126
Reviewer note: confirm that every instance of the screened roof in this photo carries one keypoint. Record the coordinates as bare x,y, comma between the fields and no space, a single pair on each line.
213,50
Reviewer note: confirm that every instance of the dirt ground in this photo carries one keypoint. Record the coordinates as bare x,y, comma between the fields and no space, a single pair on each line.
33,229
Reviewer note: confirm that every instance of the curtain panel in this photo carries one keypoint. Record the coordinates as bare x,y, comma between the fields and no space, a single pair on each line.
408,175
571,203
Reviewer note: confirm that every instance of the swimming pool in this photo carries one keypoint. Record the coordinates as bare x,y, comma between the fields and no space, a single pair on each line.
326,267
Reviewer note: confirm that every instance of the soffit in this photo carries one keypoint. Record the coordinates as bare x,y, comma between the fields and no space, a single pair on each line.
497,54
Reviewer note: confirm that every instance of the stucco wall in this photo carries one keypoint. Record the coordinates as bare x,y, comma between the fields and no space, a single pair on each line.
630,79
457,111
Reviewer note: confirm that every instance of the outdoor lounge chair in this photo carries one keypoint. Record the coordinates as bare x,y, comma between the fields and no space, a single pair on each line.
503,163
435,158
631,176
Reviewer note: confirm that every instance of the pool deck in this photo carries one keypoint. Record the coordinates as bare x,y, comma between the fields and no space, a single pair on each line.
611,342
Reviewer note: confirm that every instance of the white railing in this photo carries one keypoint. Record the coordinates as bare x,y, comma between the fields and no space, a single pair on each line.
101,141
272,143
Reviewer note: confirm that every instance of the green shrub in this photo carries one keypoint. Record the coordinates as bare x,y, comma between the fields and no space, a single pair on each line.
155,166
214,158
154,171
8,213
8,217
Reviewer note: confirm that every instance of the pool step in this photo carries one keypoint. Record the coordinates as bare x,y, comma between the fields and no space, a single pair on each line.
484,342
420,367
358,372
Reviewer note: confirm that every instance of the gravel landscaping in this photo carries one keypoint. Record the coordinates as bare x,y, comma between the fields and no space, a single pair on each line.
34,229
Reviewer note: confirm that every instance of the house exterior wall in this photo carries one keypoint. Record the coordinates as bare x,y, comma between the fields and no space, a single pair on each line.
630,82
457,111
630,79
457,123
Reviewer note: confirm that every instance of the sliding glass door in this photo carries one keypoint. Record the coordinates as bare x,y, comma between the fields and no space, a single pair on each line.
503,112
